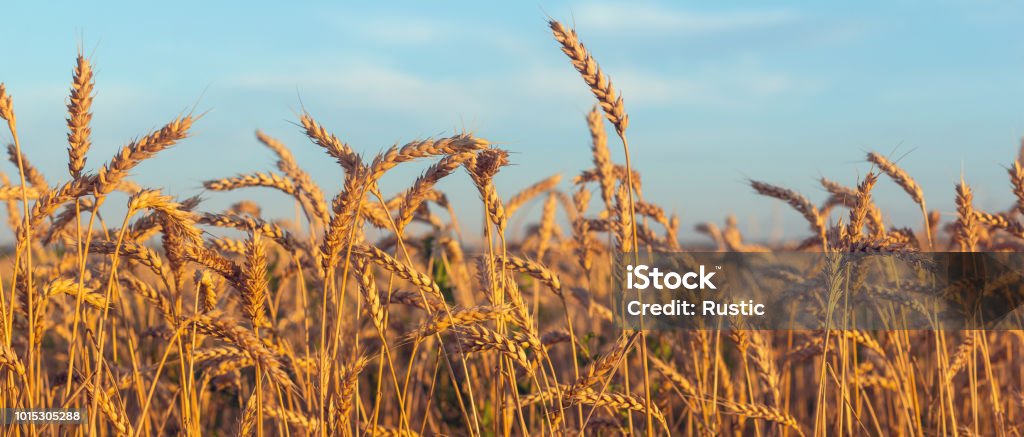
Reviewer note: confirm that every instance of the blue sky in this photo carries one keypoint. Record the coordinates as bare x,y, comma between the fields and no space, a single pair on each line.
716,93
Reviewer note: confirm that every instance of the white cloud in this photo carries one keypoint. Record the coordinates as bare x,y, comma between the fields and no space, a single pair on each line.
633,18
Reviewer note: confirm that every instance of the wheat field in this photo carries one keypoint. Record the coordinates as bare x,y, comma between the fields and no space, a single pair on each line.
374,315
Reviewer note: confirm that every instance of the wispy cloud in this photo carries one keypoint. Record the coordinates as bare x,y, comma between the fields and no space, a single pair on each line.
406,31
623,17
386,88
730,84
740,84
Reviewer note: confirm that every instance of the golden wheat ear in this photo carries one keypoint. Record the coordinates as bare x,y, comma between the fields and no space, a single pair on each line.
798,202
79,115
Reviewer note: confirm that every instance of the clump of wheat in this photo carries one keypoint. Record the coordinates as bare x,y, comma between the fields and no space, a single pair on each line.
376,313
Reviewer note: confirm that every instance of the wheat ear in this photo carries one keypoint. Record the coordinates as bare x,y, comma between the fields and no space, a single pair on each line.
532,268
966,235
599,84
79,117
903,179
528,193
798,202
340,151
254,276
113,172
